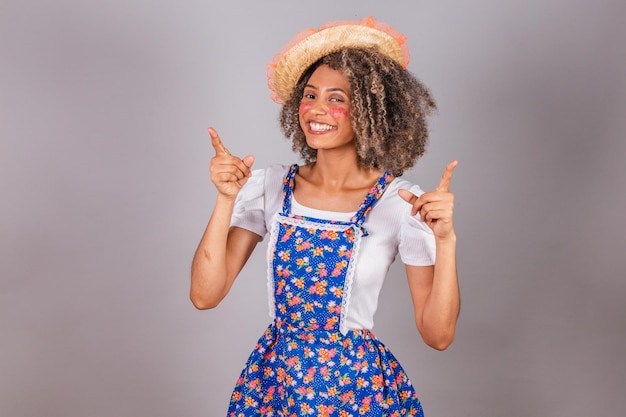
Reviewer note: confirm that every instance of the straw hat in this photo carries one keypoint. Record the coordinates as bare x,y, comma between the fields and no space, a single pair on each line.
286,68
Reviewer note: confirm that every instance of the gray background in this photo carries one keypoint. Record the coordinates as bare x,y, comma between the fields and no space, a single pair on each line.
105,193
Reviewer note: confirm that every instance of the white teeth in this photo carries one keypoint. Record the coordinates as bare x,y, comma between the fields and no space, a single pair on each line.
320,127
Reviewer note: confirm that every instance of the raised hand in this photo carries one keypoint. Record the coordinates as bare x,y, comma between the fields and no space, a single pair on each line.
229,173
436,208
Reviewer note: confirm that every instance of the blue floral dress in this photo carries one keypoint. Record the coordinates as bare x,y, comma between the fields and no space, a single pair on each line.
307,363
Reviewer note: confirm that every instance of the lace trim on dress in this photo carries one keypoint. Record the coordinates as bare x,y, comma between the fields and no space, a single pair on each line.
271,249
347,290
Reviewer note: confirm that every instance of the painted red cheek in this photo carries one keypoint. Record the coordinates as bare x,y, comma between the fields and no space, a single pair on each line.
304,107
338,112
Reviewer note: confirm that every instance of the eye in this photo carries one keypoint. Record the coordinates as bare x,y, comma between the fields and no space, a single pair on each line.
308,94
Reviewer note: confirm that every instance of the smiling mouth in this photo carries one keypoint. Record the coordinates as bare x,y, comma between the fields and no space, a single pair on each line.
320,127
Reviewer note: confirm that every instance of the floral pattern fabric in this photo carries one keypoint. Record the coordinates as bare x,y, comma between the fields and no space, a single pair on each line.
307,363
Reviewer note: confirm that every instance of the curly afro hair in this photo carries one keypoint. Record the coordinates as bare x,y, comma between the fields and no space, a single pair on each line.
389,106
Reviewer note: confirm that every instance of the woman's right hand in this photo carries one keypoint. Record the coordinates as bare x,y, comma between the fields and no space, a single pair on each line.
229,173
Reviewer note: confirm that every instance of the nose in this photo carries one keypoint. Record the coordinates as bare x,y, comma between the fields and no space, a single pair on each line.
319,107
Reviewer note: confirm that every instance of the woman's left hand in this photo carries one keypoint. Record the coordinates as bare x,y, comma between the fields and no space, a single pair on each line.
436,208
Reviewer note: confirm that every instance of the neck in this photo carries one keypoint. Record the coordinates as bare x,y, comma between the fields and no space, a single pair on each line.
340,170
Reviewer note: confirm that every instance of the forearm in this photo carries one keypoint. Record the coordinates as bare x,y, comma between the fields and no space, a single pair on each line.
209,273
442,306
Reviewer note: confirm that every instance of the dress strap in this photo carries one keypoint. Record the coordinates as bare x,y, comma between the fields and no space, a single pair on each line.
370,200
288,183
359,217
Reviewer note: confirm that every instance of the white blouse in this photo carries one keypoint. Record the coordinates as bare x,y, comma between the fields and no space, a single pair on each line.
391,231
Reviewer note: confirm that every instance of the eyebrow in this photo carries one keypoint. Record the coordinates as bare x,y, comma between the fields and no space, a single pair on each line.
333,89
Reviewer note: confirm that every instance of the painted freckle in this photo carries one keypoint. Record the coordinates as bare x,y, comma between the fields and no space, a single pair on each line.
338,112
304,107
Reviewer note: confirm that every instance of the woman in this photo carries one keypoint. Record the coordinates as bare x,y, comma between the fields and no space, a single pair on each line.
356,116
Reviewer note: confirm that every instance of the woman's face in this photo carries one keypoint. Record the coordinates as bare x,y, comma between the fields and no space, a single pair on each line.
325,110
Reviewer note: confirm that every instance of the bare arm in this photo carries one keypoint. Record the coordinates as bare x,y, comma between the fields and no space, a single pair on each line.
435,289
223,250
436,297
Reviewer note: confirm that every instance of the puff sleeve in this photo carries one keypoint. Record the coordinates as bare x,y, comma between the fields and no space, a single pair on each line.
417,241
249,211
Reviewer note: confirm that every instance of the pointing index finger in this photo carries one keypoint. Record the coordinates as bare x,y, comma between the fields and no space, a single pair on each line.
219,147
446,177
